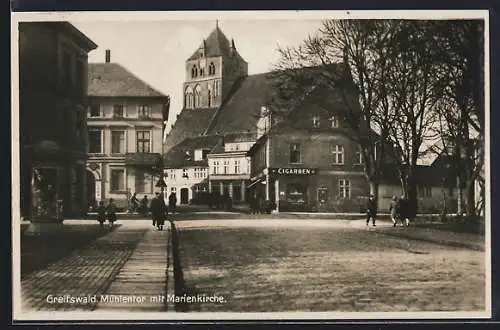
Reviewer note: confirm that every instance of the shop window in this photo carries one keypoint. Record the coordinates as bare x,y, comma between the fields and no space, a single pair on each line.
344,188
322,195
296,194
294,153
117,180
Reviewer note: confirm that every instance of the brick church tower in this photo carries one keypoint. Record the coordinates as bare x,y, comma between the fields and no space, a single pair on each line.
212,71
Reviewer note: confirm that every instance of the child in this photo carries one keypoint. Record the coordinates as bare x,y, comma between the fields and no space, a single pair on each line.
111,212
101,213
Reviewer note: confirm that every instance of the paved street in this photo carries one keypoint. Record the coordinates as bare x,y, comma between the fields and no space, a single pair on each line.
261,264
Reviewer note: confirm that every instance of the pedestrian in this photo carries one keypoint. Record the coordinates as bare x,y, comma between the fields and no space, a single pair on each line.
155,209
172,201
162,216
394,209
144,205
404,211
101,213
371,210
111,212
134,203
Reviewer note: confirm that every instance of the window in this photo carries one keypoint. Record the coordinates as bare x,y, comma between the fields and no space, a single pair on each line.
184,173
95,110
209,99
211,68
216,88
358,157
143,182
197,97
344,188
95,145
315,121
334,122
144,111
294,153
143,141
172,174
236,166
226,165
173,189
194,72
338,154
117,142
118,111
216,167
204,153
117,179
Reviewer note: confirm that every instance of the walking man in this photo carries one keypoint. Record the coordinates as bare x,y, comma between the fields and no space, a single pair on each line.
371,210
155,209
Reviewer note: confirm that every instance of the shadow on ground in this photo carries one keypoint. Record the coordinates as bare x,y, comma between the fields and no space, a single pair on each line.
37,252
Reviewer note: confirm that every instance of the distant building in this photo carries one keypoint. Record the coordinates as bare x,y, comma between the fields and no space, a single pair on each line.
229,166
186,167
52,90
125,122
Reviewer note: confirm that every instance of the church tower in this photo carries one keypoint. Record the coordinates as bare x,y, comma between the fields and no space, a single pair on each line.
212,71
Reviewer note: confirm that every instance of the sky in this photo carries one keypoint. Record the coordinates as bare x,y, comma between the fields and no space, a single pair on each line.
156,51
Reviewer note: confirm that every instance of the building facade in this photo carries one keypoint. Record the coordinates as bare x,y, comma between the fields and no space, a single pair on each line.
125,120
309,163
186,168
53,67
229,166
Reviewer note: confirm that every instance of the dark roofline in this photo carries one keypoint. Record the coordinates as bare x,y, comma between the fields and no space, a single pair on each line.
73,31
132,74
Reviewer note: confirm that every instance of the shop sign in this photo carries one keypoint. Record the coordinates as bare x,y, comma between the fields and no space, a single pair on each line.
300,171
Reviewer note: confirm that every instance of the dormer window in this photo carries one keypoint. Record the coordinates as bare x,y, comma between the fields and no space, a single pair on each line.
315,122
334,122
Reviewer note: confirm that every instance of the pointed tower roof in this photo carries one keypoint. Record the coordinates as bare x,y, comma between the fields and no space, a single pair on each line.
216,44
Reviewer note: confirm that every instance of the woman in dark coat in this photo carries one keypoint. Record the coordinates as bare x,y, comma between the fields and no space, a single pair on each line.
111,212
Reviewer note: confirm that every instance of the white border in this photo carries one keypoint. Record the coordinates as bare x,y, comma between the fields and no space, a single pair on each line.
236,15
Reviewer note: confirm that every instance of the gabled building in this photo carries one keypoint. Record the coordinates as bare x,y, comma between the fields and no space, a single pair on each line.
125,120
186,167
53,60
229,166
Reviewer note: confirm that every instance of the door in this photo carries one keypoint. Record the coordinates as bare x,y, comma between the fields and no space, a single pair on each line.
184,195
91,190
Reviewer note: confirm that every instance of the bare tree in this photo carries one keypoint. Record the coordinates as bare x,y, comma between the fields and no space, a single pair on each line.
349,57
461,110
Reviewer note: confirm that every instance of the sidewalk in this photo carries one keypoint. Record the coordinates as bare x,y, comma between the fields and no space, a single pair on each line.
86,272
142,282
462,240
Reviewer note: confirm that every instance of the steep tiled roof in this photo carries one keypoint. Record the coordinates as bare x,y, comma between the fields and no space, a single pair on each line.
111,79
176,156
239,114
216,44
189,123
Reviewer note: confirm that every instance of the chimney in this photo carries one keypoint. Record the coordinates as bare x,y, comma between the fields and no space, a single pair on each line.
108,56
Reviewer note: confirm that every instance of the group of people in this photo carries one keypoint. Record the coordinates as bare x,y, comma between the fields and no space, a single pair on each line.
106,212
399,209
